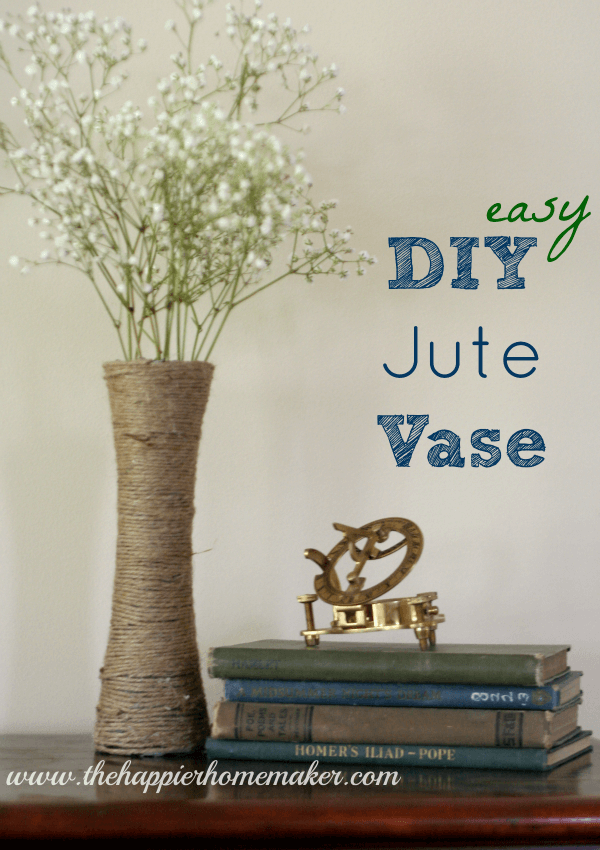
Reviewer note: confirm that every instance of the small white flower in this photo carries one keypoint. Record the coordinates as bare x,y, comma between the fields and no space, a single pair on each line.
142,44
25,270
121,288
170,25
79,156
14,261
44,255
147,288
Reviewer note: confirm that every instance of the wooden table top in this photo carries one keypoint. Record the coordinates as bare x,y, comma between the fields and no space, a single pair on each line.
427,807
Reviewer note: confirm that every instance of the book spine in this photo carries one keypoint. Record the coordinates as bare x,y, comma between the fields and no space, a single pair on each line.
386,693
388,755
374,725
317,663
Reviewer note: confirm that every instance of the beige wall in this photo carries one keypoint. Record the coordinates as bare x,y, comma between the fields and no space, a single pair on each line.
451,107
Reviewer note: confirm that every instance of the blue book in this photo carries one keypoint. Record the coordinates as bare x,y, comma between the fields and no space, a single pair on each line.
392,755
557,693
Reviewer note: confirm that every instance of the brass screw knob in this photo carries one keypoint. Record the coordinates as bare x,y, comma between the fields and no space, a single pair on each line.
307,600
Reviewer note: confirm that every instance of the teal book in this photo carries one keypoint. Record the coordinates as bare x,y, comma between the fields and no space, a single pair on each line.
412,695
397,755
350,661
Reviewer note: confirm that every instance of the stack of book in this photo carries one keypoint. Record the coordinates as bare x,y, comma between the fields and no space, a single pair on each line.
486,706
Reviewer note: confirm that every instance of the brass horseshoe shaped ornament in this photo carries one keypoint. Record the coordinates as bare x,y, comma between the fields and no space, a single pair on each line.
354,608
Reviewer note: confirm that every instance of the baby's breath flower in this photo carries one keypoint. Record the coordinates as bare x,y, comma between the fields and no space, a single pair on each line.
159,210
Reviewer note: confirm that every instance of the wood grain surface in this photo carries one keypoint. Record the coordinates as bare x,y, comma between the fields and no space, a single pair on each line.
428,806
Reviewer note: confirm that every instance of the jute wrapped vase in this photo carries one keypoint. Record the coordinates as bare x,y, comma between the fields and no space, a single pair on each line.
152,700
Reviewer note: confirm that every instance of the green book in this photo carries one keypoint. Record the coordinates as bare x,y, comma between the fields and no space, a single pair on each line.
350,661
393,755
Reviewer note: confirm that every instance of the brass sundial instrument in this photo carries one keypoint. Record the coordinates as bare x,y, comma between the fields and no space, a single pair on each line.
354,609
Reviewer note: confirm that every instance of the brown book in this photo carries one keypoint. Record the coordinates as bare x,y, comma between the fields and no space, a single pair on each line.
246,721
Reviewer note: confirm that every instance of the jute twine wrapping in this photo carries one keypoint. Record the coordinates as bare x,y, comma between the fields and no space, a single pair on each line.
152,701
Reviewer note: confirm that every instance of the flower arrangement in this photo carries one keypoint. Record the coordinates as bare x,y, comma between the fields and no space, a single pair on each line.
178,220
